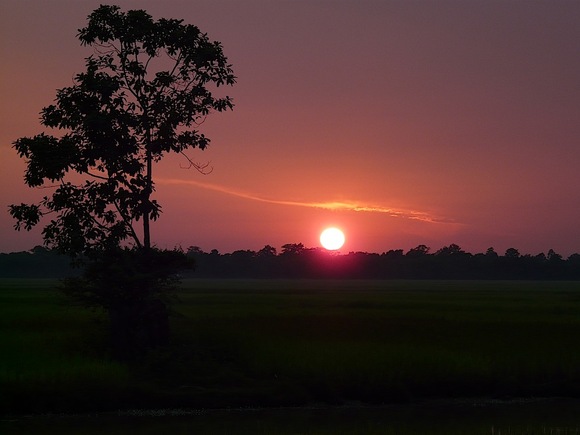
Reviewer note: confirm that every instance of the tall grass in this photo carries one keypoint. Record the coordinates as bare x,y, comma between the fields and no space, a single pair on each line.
53,355
385,341
239,343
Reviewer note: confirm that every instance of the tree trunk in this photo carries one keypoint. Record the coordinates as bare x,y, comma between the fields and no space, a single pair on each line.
147,214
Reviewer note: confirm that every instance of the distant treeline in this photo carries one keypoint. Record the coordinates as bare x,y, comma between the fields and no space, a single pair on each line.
39,262
297,261
449,262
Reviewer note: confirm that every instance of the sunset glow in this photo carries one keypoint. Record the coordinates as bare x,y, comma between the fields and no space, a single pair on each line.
349,205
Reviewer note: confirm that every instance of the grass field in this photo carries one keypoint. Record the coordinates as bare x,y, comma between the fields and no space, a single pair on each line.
271,343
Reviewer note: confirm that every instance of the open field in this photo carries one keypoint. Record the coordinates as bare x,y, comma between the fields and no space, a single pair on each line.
271,343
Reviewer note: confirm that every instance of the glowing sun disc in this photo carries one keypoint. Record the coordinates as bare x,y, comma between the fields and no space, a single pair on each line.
332,239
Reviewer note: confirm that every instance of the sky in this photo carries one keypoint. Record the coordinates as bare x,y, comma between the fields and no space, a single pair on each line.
402,122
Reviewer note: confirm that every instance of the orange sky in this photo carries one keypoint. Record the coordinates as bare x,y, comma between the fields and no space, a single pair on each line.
402,122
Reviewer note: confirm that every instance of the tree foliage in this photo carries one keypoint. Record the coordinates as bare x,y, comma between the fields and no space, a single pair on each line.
146,89
126,277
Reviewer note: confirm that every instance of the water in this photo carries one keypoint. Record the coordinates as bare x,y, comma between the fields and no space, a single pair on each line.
493,417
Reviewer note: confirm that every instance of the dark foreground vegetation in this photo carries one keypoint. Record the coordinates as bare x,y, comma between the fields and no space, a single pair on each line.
296,342
297,261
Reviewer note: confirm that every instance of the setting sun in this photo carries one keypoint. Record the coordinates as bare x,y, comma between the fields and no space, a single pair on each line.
332,239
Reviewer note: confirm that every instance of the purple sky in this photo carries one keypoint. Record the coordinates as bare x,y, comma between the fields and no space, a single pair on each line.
402,122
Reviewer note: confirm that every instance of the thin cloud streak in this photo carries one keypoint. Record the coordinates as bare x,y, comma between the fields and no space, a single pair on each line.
328,205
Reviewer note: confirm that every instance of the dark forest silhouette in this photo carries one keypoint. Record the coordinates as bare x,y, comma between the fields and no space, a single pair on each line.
449,262
297,261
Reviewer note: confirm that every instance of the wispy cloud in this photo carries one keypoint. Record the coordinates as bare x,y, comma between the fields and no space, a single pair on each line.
327,205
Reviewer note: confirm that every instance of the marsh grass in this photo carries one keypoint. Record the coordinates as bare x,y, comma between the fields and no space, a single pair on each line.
53,355
265,343
385,341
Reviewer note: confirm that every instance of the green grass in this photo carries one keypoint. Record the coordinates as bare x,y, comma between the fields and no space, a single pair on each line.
261,343
53,355
383,341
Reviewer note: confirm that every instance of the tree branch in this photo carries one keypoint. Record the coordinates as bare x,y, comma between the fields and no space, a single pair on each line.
129,224
201,168
96,176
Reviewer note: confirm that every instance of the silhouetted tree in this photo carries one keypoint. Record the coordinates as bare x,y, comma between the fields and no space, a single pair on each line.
143,95
418,251
293,249
393,253
452,249
122,115
541,257
192,250
553,256
490,252
512,253
267,251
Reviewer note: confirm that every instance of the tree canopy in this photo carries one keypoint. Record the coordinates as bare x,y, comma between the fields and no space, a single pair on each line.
146,89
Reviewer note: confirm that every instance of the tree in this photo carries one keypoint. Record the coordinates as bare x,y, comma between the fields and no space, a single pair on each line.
146,89
267,251
393,253
553,256
512,253
490,252
452,249
293,249
418,251
143,95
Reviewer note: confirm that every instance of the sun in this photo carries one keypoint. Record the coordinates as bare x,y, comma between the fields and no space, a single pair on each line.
332,239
